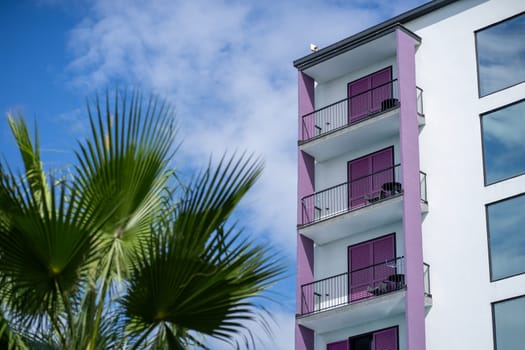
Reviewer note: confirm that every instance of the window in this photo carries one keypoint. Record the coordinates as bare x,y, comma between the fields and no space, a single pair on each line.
508,323
506,236
501,55
385,339
503,139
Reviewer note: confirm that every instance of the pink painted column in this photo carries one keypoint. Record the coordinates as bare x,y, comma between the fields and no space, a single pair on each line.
304,337
409,147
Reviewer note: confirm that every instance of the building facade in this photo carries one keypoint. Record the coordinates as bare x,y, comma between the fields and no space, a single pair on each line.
411,183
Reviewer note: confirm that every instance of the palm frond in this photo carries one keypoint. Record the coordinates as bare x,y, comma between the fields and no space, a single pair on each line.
123,167
46,248
30,154
197,275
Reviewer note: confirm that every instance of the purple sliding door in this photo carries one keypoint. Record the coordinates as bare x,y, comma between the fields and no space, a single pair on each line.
340,345
386,339
367,175
366,94
367,264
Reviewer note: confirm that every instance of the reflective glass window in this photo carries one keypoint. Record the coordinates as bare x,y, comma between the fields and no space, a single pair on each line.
503,133
506,233
501,55
509,323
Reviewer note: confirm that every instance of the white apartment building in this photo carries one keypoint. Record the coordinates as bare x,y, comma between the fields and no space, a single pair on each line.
411,183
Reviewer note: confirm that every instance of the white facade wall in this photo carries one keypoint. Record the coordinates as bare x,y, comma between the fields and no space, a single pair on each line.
454,230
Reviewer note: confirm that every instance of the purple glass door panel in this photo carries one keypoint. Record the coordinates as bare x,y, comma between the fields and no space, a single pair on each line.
384,263
382,163
360,272
386,339
381,88
359,99
340,345
359,183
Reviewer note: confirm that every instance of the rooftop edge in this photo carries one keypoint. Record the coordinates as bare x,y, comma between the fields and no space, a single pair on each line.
369,34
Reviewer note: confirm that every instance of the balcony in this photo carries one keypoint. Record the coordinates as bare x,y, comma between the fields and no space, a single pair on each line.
364,295
370,116
352,207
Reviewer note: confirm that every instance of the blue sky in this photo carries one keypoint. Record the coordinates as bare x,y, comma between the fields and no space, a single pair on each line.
226,66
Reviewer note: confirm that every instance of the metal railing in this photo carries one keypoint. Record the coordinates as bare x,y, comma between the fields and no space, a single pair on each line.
419,101
426,279
365,283
358,193
351,195
423,186
354,109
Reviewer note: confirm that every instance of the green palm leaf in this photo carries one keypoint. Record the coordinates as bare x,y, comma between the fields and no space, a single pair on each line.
123,168
197,275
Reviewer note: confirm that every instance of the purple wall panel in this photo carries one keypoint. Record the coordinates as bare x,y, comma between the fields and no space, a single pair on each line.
306,102
305,266
304,337
409,147
305,185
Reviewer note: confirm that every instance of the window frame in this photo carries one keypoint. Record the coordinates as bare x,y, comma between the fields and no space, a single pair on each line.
492,304
477,55
485,181
488,238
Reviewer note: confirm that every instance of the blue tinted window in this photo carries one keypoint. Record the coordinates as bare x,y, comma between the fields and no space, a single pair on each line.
506,230
501,55
509,323
504,142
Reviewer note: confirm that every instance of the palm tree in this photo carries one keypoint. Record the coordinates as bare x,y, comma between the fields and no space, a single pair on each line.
119,253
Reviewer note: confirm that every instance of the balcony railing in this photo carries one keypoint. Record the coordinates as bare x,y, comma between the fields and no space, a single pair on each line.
358,193
353,110
365,283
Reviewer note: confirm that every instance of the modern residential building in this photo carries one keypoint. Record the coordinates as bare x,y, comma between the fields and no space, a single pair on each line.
411,183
